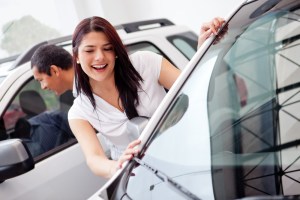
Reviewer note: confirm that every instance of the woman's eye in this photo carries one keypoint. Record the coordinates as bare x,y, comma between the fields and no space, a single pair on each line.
108,49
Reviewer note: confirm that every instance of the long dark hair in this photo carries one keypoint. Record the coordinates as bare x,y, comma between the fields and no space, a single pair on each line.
127,79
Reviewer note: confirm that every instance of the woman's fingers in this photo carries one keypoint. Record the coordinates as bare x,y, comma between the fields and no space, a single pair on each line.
214,25
209,28
133,144
129,152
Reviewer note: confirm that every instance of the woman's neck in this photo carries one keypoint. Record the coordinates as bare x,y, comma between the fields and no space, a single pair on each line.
108,91
103,88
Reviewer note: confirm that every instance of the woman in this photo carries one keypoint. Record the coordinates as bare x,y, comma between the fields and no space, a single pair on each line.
113,87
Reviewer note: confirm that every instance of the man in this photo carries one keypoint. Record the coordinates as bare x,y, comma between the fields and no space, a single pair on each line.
52,67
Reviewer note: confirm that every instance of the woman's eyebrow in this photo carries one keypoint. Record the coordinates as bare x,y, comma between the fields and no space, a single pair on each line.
90,45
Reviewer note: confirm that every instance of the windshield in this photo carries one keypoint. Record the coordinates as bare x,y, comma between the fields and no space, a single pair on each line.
253,103
250,147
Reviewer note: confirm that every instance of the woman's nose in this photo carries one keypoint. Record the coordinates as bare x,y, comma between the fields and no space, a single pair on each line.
99,55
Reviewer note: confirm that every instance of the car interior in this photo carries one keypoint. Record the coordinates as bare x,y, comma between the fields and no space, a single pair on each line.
32,114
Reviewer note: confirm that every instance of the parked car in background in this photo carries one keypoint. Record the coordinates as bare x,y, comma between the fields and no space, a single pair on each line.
229,127
61,172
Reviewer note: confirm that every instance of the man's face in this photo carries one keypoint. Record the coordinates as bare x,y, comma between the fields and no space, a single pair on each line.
47,82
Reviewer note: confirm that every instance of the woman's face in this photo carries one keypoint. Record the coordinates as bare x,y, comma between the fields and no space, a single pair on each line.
96,56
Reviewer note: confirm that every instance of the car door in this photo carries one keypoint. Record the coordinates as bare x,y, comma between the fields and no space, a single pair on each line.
61,167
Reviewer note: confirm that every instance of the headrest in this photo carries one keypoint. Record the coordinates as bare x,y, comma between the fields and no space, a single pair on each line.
32,103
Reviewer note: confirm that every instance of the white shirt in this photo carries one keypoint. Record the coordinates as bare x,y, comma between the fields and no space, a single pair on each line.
111,122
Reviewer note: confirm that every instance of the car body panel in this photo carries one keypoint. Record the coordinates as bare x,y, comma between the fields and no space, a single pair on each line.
54,178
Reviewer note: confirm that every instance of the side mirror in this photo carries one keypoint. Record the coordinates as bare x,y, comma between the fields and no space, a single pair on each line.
15,159
135,126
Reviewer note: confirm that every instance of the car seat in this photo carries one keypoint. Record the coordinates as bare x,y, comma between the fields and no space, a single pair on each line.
31,103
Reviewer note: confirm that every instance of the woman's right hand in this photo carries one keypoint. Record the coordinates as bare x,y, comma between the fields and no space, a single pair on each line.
127,155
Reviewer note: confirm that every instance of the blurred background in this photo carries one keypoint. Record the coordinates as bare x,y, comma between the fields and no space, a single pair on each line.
26,22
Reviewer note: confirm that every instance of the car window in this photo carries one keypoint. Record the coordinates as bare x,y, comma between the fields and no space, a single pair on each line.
186,43
146,46
38,117
142,46
176,150
253,105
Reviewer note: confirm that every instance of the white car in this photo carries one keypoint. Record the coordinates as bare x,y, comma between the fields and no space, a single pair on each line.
60,171
229,127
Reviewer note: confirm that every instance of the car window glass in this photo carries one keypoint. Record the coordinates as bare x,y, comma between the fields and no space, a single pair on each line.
142,46
174,150
253,118
145,46
186,43
253,107
38,117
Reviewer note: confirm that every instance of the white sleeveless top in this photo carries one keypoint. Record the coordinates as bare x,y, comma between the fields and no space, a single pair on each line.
111,122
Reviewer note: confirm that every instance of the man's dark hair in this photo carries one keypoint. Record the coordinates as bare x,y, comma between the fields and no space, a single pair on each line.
48,55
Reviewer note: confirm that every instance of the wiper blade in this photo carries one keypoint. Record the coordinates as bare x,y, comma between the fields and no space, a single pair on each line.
165,178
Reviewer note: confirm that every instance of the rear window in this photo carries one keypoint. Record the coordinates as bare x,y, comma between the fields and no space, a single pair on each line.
186,43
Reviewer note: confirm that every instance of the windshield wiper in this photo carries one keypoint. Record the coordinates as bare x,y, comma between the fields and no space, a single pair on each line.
165,178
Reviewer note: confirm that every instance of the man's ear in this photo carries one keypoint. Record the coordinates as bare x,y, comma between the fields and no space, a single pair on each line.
54,70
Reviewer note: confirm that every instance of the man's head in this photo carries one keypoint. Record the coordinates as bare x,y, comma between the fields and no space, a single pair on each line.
52,67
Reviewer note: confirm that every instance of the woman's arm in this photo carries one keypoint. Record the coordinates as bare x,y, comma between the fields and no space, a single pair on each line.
93,151
168,74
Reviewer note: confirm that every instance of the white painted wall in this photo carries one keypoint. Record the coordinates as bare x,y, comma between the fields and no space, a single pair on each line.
64,15
187,12
191,13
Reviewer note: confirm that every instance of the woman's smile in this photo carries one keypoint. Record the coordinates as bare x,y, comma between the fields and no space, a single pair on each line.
99,67
97,56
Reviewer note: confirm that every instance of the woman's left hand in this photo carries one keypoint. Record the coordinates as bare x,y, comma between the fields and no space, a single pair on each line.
209,28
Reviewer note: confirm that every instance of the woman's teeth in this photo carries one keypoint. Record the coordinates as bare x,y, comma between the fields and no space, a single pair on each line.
99,66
